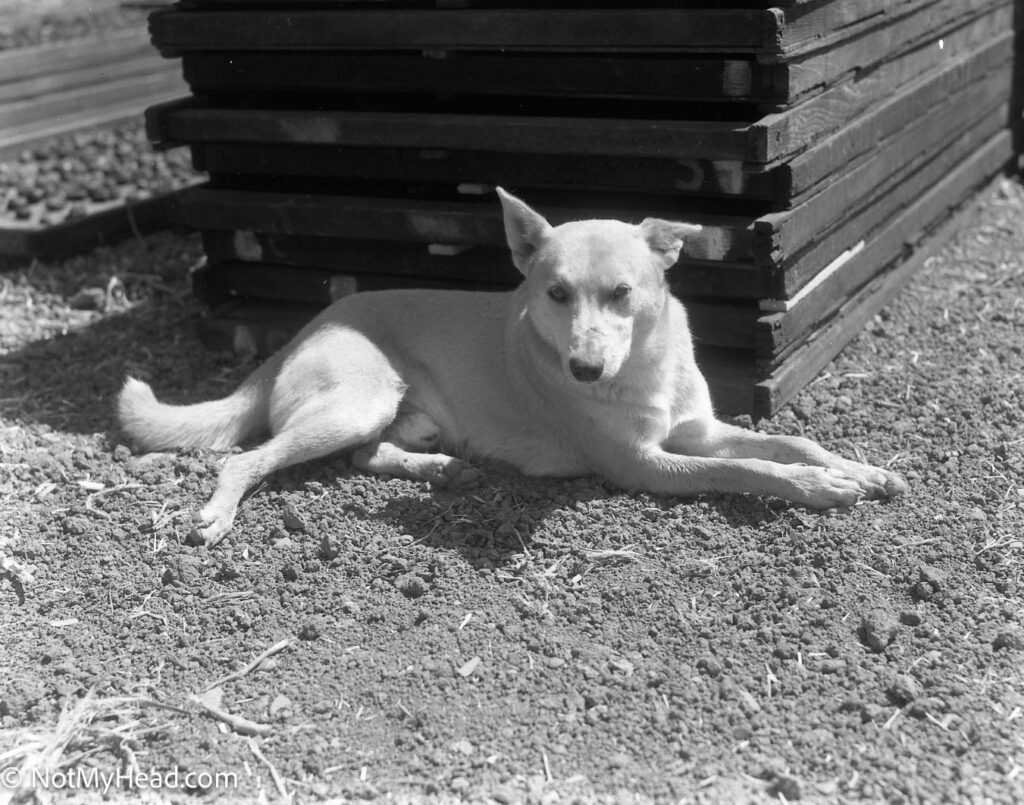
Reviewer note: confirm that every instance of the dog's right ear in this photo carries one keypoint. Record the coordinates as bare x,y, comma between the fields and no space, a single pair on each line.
525,229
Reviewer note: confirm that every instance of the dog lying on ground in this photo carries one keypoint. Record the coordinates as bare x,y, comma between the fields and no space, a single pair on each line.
586,368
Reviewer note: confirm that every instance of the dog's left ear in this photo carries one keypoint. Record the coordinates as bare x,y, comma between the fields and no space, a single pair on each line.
525,229
666,238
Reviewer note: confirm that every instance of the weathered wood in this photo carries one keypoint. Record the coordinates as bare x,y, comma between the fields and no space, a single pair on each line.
664,78
21,64
787,379
789,276
140,89
861,135
719,324
189,122
695,30
779,331
690,278
108,224
902,32
421,221
784,134
893,159
702,177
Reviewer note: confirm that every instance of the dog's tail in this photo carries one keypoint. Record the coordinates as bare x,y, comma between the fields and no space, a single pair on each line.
218,424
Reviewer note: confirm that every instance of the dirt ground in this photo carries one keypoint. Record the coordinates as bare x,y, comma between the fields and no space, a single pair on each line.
532,641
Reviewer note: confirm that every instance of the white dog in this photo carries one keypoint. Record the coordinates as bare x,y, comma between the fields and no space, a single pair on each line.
587,367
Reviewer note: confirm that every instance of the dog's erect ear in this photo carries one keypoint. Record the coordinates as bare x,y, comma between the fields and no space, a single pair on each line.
666,238
525,229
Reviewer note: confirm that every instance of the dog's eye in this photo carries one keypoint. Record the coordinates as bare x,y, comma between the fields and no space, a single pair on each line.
621,292
557,293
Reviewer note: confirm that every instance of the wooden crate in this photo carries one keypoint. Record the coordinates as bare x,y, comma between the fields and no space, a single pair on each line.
824,146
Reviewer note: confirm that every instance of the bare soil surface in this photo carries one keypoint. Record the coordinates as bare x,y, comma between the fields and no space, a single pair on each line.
531,641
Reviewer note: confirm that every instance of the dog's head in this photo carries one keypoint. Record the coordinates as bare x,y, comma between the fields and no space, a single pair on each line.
592,286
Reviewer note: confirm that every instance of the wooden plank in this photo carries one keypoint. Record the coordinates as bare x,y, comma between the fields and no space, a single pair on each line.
641,76
790,276
141,89
15,140
779,331
803,365
929,22
260,328
701,29
702,177
108,225
783,134
37,88
861,135
20,64
786,233
420,221
716,323
188,123
689,278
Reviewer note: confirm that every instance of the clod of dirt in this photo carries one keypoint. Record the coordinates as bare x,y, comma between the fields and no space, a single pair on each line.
878,629
281,707
290,573
411,585
312,629
923,591
787,786
910,618
933,576
330,548
293,520
1011,638
184,570
903,689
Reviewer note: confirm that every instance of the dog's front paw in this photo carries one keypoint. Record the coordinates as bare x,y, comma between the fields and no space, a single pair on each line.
456,474
826,488
211,525
876,482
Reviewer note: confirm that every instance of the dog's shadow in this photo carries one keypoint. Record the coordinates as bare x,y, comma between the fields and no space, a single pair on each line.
508,516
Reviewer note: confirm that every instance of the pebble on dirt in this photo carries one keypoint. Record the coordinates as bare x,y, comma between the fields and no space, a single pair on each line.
292,519
1012,639
878,628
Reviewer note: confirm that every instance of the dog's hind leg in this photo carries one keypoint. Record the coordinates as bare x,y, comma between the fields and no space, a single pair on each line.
403,452
328,423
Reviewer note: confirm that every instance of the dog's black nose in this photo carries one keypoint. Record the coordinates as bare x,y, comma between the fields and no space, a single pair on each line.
585,372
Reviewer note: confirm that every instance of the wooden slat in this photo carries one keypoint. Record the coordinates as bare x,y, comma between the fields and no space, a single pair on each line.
779,331
889,163
39,88
898,33
719,324
702,177
20,64
791,131
861,135
792,275
88,99
572,76
726,30
785,381
690,278
188,122
112,223
418,221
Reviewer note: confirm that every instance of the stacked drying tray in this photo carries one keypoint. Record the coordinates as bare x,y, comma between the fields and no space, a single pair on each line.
825,146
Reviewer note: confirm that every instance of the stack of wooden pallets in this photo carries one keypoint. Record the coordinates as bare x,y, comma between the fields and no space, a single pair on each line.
825,146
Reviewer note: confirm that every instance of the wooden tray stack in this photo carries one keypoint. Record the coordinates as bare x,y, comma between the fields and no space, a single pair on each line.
824,145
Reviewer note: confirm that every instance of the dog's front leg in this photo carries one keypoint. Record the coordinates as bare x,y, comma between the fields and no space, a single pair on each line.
720,440
660,471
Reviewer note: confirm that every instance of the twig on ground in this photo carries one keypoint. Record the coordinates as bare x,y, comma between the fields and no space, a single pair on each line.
278,781
280,646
